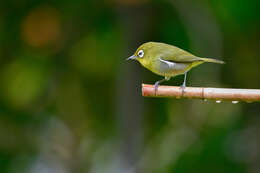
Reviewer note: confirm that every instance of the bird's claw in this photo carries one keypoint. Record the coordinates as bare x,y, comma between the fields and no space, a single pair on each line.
182,89
156,85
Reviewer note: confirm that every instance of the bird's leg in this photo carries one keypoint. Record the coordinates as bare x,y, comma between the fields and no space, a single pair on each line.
184,83
156,85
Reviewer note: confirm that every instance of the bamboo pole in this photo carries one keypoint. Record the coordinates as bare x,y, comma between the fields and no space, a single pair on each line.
218,94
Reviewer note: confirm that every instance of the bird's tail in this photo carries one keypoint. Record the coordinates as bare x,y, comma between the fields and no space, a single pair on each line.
212,60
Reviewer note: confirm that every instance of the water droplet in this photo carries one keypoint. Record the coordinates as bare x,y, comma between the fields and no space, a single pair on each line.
235,102
218,101
205,100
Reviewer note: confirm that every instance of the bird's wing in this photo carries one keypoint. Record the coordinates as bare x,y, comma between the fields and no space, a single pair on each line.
170,64
178,55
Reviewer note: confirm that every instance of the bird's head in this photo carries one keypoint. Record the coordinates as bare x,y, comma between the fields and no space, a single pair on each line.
143,53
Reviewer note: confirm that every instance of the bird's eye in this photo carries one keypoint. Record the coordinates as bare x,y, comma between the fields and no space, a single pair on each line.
141,53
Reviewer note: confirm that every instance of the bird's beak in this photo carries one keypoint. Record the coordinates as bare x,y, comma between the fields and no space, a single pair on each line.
131,57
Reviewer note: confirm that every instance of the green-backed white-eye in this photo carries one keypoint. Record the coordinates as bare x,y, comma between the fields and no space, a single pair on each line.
167,60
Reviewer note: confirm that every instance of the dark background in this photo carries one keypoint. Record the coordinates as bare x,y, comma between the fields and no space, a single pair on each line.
70,103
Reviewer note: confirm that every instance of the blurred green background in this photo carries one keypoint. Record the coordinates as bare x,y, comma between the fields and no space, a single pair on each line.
70,103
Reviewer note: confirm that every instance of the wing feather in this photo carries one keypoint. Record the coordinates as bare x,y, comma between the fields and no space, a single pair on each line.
170,64
175,54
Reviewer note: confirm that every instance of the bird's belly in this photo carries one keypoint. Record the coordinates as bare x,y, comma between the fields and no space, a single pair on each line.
176,69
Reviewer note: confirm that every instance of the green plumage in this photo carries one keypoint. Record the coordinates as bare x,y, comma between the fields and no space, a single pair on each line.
167,60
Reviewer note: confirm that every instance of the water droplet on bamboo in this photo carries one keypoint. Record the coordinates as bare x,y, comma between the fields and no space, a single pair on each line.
218,101
235,102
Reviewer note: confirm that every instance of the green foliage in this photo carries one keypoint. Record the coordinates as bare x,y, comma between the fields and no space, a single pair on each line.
69,102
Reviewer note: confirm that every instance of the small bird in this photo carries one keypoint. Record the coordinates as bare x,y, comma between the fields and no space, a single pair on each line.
168,61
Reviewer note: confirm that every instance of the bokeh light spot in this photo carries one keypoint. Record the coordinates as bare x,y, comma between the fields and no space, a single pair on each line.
41,27
23,82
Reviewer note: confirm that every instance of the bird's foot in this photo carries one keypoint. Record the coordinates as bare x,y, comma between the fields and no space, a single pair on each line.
156,85
183,88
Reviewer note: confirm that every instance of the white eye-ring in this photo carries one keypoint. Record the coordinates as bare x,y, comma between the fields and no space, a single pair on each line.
140,53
